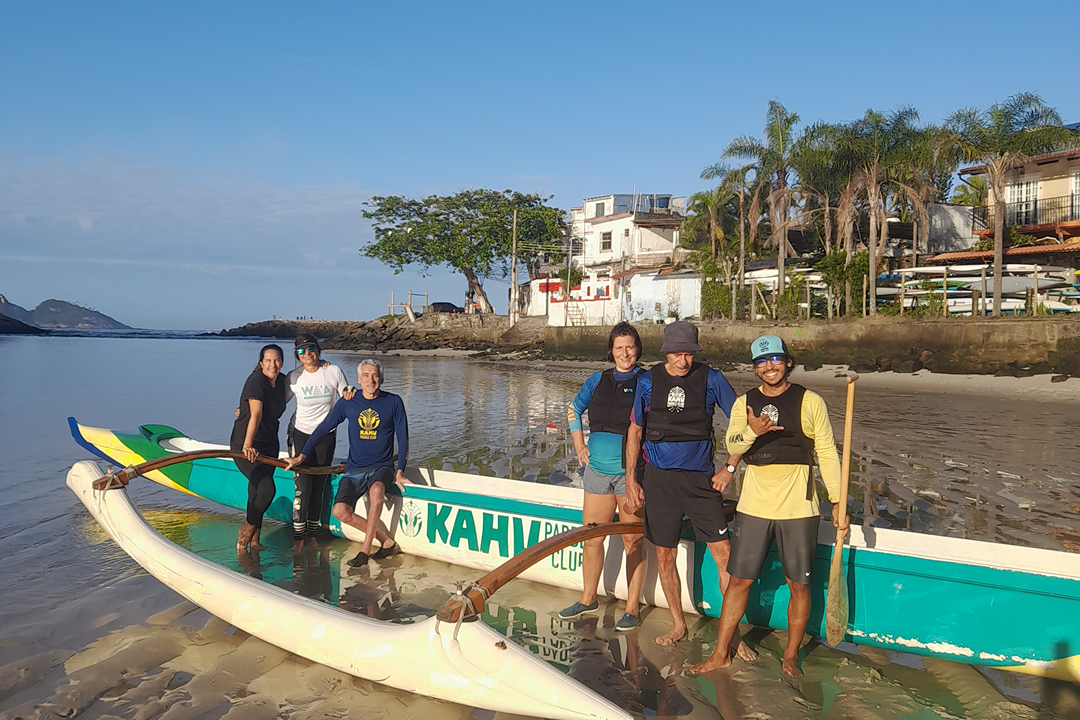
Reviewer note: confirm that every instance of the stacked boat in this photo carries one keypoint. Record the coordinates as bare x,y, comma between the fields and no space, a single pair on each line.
1055,288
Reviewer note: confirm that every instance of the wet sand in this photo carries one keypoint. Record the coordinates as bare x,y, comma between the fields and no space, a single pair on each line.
85,633
135,650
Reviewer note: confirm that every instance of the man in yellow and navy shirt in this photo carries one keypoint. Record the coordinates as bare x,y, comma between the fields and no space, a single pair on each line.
778,428
375,418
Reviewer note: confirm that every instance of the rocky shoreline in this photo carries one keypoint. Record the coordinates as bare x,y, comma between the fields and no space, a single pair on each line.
868,347
382,335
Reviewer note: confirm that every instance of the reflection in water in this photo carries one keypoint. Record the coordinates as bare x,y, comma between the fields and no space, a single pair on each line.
960,464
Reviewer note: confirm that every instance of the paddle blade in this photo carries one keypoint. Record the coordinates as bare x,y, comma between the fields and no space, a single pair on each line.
836,604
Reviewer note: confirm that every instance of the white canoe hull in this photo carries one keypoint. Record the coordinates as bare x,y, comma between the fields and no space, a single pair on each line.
468,663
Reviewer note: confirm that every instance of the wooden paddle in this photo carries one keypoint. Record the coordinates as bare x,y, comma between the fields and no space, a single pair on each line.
478,592
836,605
121,478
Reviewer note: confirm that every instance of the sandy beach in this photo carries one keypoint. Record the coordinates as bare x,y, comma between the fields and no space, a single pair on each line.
85,633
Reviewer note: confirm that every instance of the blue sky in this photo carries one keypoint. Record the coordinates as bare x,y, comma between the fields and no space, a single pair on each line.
202,165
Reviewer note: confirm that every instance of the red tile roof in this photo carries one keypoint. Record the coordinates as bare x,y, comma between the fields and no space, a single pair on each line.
952,257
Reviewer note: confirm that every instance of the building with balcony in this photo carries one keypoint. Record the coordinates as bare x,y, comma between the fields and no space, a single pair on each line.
612,239
1043,197
618,232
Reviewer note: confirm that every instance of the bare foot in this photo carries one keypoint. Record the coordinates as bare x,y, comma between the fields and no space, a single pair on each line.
716,661
243,539
790,668
744,652
311,542
297,547
672,637
257,547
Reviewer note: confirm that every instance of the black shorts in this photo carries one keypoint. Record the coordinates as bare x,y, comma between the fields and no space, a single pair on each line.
672,494
354,484
752,538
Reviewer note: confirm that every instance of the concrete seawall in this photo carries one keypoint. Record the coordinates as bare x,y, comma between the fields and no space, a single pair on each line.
953,345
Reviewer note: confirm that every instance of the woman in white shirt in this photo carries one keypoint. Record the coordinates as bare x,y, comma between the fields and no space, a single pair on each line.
317,385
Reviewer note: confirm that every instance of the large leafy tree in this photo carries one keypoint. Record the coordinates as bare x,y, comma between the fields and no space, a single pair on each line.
1003,138
773,160
469,231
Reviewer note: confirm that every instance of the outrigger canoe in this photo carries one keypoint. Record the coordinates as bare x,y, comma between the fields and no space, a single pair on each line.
1001,606
468,662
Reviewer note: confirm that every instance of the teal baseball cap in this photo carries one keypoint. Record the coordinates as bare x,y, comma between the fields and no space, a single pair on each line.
767,345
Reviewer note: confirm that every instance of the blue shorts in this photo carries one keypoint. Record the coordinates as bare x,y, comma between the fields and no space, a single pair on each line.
355,483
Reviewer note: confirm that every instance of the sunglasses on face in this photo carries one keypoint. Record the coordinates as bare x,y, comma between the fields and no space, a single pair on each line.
774,359
305,350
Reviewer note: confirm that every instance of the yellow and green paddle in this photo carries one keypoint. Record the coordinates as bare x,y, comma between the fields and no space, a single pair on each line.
836,605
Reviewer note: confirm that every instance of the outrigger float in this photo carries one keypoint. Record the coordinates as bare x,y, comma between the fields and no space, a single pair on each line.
1000,606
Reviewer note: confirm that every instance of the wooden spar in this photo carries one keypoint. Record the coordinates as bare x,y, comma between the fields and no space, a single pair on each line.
121,478
836,602
478,592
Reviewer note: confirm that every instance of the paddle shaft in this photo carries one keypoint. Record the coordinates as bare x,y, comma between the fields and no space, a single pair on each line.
845,465
836,602
123,477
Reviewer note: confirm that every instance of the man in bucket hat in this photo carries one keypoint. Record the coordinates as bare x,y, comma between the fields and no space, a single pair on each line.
673,414
777,428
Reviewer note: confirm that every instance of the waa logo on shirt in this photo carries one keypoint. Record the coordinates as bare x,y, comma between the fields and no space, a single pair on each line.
315,390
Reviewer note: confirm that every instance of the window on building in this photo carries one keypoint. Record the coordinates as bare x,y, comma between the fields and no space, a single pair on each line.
1074,199
1022,208
605,242
598,210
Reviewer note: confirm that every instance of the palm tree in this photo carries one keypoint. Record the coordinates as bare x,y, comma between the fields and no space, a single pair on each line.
878,143
1003,138
707,207
773,159
972,192
735,181
824,172
923,176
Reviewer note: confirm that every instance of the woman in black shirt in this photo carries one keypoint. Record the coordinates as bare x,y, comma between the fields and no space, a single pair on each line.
255,433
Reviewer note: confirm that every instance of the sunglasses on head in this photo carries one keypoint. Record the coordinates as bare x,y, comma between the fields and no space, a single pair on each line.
774,359
305,350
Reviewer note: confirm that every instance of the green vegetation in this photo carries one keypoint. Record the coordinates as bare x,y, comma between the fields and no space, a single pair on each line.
837,185
571,278
469,232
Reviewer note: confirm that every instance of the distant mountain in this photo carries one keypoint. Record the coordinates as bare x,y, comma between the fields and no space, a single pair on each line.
10,326
15,312
60,314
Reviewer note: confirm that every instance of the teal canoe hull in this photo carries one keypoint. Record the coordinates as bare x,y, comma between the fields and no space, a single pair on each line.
980,603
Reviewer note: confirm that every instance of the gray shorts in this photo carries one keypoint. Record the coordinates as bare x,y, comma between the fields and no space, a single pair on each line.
752,538
597,484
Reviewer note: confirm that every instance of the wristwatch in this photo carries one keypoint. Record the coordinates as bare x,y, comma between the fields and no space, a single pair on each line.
730,469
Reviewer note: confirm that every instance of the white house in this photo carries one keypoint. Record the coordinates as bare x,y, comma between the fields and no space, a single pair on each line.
612,237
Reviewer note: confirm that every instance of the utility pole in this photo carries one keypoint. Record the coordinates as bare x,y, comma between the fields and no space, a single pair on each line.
512,311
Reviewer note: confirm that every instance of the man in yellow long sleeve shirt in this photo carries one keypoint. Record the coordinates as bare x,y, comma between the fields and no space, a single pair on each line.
777,428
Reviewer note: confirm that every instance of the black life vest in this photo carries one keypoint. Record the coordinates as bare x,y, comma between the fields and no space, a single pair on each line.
612,401
678,411
789,446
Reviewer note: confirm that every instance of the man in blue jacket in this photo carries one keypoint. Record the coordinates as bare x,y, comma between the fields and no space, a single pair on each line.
375,418
673,419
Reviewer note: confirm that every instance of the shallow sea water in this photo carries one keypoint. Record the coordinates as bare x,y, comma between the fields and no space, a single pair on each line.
84,632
